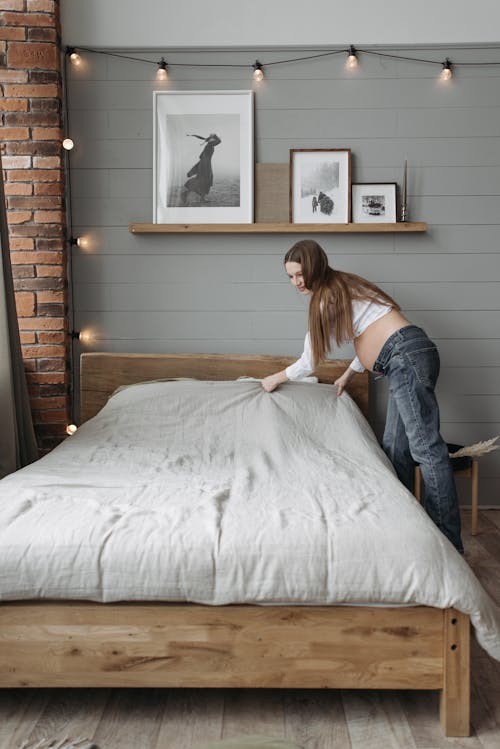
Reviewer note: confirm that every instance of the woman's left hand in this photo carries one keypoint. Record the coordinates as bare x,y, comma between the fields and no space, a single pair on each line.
344,380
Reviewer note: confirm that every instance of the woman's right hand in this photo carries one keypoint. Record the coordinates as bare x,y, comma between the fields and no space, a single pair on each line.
271,382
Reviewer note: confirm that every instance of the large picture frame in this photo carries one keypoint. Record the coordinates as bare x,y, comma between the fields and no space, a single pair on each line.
320,185
374,203
203,170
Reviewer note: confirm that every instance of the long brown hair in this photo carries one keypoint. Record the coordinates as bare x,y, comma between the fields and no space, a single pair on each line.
332,294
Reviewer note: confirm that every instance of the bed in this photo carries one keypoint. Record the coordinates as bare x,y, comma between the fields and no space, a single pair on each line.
93,621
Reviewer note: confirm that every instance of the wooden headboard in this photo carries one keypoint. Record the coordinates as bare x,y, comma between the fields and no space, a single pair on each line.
102,373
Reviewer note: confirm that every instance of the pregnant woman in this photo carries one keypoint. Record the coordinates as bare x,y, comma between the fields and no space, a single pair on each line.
345,307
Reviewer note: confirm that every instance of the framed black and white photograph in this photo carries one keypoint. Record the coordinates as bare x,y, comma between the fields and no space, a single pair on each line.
203,157
374,203
320,185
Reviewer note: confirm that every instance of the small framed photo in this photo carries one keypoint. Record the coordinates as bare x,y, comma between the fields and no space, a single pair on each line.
203,157
320,185
374,203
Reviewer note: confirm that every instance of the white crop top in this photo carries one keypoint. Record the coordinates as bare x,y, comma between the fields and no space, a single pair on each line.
364,312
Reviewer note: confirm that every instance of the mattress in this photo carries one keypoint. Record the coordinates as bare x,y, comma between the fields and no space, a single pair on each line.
217,493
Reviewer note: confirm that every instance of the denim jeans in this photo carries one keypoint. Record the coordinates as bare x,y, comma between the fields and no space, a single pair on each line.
410,361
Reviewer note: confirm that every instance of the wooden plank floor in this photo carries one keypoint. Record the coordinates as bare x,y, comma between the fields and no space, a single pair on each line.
313,719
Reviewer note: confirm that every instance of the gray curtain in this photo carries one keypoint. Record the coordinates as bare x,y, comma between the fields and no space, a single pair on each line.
17,437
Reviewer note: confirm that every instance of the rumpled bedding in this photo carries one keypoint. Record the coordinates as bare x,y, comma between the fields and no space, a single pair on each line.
219,492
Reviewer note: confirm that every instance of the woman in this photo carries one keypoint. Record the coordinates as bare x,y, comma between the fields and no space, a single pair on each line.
201,174
346,307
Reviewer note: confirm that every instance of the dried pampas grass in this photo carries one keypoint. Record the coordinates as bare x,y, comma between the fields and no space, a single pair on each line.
479,448
65,743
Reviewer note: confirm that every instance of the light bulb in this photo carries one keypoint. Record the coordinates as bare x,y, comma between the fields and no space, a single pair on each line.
83,242
352,60
71,429
447,72
161,74
85,336
68,144
74,56
258,72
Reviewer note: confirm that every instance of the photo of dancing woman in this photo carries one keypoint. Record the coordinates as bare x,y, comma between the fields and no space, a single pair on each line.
200,175
203,166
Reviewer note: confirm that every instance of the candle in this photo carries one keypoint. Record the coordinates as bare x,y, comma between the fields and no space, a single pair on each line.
403,201
404,183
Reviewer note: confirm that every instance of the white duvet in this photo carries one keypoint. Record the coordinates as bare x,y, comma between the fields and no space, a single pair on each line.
218,492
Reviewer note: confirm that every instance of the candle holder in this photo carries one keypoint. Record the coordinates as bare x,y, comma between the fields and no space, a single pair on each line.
404,214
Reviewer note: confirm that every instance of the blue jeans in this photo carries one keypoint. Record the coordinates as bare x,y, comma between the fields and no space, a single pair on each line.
410,361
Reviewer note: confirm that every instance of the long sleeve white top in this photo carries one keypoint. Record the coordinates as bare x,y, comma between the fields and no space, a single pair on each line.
364,312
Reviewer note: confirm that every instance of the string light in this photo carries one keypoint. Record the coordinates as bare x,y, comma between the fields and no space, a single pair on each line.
258,67
85,336
74,56
447,72
82,242
161,74
258,72
352,60
71,429
68,144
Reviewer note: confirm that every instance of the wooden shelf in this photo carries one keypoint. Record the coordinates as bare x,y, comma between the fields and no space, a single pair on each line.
280,228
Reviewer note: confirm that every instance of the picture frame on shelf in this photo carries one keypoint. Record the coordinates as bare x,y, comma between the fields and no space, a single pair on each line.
203,160
320,185
374,203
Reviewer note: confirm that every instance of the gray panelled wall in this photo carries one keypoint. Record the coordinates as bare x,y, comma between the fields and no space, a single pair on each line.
229,293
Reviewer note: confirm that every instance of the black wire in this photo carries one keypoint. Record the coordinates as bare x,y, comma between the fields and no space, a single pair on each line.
310,57
281,62
419,59
111,54
200,64
475,63
263,64
398,57
152,62
69,243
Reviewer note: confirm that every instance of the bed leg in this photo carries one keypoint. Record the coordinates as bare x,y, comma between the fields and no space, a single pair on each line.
455,695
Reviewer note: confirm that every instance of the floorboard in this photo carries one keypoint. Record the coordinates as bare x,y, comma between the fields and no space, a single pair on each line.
69,713
315,719
190,718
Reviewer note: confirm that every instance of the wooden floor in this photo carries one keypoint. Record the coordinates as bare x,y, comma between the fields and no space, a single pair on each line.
313,719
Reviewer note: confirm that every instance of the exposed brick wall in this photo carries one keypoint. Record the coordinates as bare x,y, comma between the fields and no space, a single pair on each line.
31,134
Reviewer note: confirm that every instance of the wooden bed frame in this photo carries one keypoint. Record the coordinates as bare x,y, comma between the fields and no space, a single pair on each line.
83,644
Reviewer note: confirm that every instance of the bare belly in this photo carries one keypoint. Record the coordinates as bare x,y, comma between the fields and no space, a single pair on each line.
369,344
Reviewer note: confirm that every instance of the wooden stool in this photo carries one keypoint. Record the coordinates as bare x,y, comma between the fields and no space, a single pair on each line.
465,466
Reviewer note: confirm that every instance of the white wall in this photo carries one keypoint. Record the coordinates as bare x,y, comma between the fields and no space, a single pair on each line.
150,293
228,294
155,24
